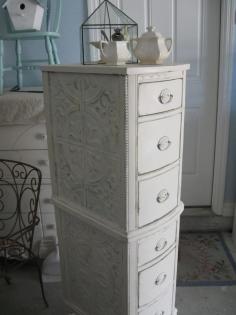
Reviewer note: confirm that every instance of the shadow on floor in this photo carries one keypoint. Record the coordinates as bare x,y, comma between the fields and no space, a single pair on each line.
23,296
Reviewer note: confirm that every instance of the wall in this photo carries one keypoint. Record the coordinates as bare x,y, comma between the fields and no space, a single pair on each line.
73,14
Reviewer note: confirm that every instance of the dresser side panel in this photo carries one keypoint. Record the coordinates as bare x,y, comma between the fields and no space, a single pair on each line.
88,135
94,267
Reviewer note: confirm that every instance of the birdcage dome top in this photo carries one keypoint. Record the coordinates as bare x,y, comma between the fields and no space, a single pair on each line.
108,14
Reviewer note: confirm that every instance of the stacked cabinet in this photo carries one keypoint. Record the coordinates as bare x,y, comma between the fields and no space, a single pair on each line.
23,138
115,143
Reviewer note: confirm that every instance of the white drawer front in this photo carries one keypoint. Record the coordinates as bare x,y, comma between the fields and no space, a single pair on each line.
23,137
159,97
156,279
49,224
158,143
162,307
153,246
38,158
158,196
45,199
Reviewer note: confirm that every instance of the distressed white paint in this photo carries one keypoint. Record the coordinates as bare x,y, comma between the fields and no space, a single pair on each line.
156,195
92,119
161,97
159,143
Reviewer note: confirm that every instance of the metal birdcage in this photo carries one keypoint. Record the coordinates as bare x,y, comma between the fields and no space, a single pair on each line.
105,25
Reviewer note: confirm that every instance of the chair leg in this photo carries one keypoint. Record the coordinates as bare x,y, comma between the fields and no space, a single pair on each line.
54,51
41,282
49,50
1,66
19,64
4,268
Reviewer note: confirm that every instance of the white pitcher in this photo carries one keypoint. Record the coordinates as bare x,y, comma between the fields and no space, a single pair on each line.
113,53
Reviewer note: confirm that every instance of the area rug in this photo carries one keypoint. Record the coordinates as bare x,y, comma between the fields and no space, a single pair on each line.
204,260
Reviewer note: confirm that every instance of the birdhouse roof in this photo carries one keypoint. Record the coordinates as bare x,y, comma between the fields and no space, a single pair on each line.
39,2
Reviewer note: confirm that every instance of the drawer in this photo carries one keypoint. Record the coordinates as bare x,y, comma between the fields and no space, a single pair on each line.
155,280
155,245
37,158
157,97
158,196
49,224
45,199
23,137
158,143
162,307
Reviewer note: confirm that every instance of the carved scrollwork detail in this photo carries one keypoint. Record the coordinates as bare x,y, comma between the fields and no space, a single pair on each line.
89,111
89,134
91,180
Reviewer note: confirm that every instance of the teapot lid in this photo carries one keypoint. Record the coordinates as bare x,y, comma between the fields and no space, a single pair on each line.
151,33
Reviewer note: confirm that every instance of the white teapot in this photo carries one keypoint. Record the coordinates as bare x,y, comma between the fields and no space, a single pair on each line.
113,52
152,47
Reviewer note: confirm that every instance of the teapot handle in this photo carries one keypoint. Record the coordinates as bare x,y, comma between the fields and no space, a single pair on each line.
101,43
169,43
133,43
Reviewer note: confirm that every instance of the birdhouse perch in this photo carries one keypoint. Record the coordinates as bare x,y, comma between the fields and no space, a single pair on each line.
25,14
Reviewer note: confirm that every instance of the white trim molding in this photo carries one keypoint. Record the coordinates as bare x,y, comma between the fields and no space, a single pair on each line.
228,209
224,104
234,228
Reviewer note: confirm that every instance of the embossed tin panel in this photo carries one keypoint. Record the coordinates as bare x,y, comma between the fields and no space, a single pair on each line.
89,134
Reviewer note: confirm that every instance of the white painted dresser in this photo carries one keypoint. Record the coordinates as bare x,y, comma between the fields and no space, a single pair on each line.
115,141
23,138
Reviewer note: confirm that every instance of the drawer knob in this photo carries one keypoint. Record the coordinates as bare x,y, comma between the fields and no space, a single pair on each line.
161,279
163,196
166,96
161,245
47,201
41,136
43,163
160,313
164,144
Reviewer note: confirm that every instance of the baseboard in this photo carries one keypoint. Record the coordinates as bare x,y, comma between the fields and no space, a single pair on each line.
203,219
229,208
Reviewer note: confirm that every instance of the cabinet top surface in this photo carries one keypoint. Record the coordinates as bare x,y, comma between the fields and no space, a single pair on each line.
120,70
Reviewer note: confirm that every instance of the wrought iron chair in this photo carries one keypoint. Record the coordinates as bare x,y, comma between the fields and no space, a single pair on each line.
48,34
19,196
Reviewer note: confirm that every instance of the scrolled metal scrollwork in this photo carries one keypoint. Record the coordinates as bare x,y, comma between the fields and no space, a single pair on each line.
19,196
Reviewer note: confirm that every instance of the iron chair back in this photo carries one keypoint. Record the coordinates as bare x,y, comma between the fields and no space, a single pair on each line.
19,199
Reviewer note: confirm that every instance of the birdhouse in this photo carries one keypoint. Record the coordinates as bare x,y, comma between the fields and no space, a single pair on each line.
25,14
